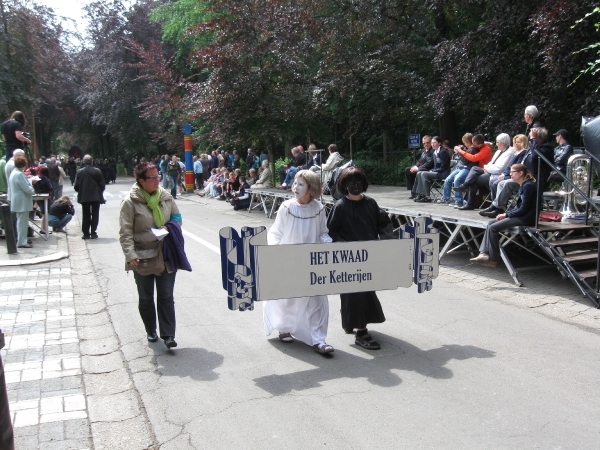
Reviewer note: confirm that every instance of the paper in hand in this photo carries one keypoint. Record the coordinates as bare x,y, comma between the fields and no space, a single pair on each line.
160,233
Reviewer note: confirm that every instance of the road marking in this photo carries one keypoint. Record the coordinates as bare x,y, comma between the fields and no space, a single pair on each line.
207,244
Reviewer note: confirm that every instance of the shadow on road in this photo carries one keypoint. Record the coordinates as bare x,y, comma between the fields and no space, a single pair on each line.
196,363
395,355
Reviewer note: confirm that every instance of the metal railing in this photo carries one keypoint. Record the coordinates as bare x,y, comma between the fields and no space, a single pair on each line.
588,201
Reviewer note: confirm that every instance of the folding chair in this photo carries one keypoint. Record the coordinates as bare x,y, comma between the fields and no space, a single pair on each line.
436,190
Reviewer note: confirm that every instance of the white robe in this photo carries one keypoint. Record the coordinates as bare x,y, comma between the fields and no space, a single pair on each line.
305,318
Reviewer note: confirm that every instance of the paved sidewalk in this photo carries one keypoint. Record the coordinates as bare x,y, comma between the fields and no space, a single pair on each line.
67,382
53,249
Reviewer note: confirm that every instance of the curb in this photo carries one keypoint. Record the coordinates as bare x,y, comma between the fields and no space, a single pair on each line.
37,260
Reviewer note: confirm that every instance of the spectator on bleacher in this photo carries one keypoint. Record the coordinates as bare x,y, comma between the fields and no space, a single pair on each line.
484,177
562,153
540,135
333,161
425,162
440,170
297,162
241,198
521,215
314,158
532,120
503,188
264,180
460,172
252,177
284,168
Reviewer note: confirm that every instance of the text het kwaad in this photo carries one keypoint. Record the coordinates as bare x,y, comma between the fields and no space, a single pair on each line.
339,257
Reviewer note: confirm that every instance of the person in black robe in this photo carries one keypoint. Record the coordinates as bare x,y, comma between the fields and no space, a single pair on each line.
112,170
356,217
72,168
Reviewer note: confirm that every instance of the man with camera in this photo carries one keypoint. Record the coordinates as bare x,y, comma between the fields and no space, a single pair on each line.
12,132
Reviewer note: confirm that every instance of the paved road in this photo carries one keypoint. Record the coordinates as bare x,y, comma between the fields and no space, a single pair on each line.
461,366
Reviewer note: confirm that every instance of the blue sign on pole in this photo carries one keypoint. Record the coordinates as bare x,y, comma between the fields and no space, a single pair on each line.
187,129
414,140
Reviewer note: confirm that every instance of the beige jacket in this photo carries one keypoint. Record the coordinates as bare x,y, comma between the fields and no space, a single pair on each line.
135,222
264,181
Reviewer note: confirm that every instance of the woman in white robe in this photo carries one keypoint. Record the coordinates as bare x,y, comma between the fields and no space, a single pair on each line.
301,220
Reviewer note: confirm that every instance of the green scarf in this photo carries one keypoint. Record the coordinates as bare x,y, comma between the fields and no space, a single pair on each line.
153,201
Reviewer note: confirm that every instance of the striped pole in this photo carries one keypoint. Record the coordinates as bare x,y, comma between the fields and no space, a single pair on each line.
189,164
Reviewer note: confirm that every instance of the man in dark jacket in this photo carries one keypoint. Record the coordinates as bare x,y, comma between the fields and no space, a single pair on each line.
425,162
562,153
89,185
540,135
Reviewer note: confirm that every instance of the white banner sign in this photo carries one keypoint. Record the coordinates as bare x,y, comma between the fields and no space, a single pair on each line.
254,271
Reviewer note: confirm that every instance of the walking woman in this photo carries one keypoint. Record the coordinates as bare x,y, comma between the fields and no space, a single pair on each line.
149,206
356,217
21,202
300,220
521,215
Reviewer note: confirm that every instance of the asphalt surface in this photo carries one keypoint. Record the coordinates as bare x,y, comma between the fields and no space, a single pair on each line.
459,367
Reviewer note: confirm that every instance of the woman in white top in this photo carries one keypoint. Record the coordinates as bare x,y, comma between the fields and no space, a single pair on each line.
300,220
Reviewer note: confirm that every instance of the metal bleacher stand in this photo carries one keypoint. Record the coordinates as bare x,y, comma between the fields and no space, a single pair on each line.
572,248
574,245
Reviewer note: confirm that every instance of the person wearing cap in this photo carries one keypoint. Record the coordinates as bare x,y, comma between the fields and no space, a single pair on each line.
562,153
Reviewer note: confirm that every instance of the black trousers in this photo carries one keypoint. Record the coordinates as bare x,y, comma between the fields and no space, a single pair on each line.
165,304
410,178
479,183
6,429
90,215
199,183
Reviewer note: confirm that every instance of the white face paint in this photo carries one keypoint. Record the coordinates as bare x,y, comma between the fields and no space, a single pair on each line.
300,188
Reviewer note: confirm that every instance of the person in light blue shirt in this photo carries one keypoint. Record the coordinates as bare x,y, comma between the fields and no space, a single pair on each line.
198,173
21,192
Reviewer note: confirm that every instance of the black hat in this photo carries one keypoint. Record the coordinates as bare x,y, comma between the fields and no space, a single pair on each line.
564,133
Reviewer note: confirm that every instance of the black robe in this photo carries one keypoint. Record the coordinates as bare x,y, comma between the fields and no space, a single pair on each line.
359,221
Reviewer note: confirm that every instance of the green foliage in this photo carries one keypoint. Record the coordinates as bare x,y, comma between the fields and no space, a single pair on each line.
280,163
178,19
593,67
243,167
388,171
121,171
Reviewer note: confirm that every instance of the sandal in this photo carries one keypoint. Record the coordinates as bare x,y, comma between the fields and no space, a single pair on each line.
367,341
286,337
323,349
